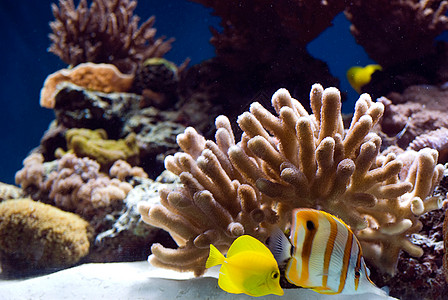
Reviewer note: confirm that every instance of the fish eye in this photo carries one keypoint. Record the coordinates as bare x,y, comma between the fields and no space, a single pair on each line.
310,225
274,275
357,274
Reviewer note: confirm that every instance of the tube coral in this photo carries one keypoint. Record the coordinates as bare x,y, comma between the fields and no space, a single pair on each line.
288,160
105,32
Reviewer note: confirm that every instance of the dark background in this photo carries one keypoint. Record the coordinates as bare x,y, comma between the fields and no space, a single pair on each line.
26,63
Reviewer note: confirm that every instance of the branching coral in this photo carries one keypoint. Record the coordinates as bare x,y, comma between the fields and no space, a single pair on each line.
292,160
75,184
105,32
215,198
404,30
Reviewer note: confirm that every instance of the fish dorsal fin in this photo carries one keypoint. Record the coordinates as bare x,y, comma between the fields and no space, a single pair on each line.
279,245
248,243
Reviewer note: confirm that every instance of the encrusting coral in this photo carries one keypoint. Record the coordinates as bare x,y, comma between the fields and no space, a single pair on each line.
95,145
98,77
105,32
294,159
36,236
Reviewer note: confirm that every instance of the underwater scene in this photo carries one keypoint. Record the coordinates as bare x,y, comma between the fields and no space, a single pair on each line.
224,149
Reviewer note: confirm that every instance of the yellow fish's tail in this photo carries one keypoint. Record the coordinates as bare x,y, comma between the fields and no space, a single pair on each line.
214,258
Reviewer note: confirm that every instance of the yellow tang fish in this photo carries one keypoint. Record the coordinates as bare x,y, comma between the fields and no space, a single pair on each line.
360,76
326,255
249,268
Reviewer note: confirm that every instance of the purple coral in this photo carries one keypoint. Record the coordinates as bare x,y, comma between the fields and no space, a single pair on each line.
76,184
105,32
436,139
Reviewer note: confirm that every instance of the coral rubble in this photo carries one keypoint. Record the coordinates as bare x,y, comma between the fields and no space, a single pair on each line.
78,107
126,237
36,236
105,32
294,159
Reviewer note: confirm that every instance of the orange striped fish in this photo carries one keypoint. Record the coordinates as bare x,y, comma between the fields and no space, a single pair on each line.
326,256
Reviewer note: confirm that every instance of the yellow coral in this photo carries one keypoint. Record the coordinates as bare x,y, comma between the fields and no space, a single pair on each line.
95,145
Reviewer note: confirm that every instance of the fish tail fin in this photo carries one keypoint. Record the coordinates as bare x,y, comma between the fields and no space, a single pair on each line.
279,245
215,257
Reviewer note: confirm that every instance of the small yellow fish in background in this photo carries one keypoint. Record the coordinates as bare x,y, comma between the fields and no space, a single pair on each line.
360,76
249,268
326,256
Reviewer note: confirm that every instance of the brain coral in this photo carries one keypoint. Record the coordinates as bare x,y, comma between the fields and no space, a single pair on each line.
34,235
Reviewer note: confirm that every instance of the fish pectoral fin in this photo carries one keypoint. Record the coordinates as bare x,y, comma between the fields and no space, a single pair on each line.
279,245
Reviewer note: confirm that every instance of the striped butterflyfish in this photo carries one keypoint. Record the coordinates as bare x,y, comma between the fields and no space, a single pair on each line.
322,254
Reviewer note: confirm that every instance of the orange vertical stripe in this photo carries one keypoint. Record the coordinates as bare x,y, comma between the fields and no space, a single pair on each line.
346,261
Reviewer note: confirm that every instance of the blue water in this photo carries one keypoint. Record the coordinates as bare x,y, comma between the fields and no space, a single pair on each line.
26,62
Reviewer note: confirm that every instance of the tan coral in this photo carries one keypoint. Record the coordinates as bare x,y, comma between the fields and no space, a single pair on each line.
8,191
292,159
98,77
34,236
122,170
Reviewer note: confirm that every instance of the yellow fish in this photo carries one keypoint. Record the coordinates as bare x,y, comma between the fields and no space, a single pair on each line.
360,76
249,268
326,256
